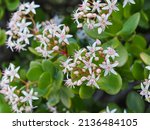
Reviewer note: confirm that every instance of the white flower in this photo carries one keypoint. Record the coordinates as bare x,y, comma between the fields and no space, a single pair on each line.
43,50
63,37
92,81
93,48
88,64
96,6
78,54
102,23
125,2
91,24
10,44
67,65
108,67
110,52
69,83
24,37
11,72
76,17
29,97
22,6
9,94
145,92
4,82
85,6
23,25
20,47
110,111
111,6
31,8
147,83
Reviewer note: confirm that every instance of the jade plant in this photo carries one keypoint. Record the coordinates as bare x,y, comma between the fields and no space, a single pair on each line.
67,68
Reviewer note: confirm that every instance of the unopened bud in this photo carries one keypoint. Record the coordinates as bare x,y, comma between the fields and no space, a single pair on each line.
98,71
96,58
98,42
76,72
89,15
78,62
56,48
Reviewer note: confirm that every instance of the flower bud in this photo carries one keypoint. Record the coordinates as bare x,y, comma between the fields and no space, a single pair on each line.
96,58
76,72
98,71
56,48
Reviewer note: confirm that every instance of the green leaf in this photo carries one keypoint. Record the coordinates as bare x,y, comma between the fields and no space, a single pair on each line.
44,80
2,37
34,73
144,21
72,47
138,6
86,92
33,51
53,99
44,84
125,70
48,66
4,107
1,12
145,58
138,70
93,33
111,84
130,25
35,64
123,55
65,96
138,44
22,74
120,49
58,79
139,41
12,4
135,102
127,11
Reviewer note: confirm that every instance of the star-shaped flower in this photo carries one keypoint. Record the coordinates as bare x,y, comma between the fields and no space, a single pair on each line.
63,37
31,8
29,97
108,67
11,72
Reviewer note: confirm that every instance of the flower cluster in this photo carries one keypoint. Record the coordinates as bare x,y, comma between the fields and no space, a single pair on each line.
96,13
53,39
19,98
87,65
145,86
21,27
